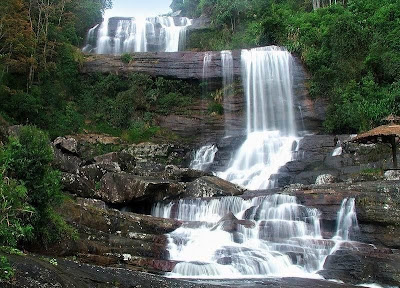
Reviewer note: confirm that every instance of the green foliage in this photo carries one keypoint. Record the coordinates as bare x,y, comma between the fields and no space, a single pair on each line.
15,212
140,132
6,271
188,7
38,62
28,158
217,108
126,58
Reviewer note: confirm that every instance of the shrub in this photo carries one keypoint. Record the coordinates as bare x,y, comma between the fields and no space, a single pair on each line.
216,108
15,212
28,158
140,132
6,271
126,58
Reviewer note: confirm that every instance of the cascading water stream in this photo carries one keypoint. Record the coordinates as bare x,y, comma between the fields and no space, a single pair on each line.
271,129
204,157
346,219
90,39
264,236
227,85
138,34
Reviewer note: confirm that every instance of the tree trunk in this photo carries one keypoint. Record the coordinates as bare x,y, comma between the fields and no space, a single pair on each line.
394,151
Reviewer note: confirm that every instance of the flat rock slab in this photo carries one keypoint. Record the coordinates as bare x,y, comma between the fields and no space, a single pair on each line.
124,187
211,186
37,272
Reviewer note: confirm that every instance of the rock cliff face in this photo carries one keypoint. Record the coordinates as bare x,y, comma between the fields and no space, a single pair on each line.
135,177
179,65
189,66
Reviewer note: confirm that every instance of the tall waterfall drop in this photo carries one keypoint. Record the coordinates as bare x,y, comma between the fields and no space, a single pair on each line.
124,35
271,128
227,84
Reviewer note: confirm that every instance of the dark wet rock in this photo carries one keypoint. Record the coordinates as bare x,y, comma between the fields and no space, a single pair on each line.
229,223
69,145
152,157
124,187
111,233
180,65
91,202
250,213
66,162
173,172
95,172
363,266
37,272
314,157
211,186
152,265
76,184
124,160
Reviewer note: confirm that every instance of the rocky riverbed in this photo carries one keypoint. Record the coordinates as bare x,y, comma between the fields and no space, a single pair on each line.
111,195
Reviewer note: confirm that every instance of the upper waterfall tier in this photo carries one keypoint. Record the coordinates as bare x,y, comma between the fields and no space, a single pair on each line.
126,35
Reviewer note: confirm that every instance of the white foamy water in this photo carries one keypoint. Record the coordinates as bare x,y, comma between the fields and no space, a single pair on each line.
139,34
346,219
227,86
279,237
271,129
204,157
337,151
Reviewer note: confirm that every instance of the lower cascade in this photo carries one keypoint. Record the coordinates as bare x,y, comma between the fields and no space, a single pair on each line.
232,237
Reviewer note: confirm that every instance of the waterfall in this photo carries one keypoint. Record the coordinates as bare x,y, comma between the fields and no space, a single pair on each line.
90,40
264,236
346,219
231,237
103,40
204,157
271,129
140,34
125,35
227,82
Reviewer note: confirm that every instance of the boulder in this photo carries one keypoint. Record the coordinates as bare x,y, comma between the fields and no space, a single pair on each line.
95,172
392,175
211,186
76,184
362,266
126,161
66,162
325,179
229,223
118,188
173,172
91,202
69,145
